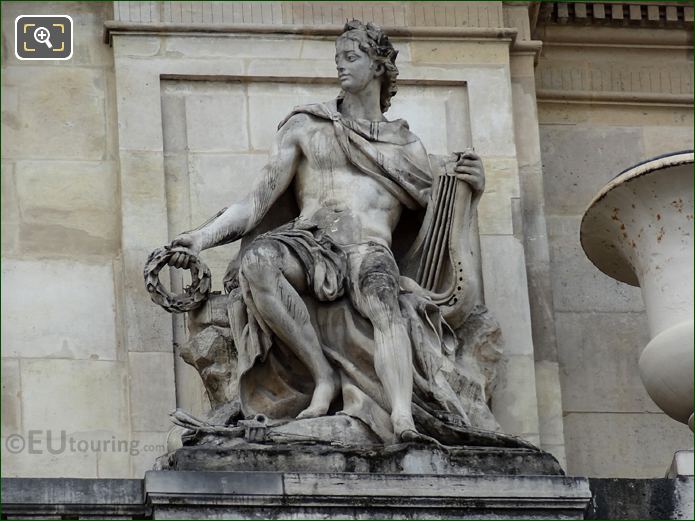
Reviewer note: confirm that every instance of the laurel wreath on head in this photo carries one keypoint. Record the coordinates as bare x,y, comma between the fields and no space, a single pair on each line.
193,296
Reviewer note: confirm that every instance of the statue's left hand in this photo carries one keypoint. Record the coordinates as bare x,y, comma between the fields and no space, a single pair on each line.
469,168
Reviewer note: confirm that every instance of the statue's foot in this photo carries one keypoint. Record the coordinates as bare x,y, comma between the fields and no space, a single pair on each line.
411,435
403,426
324,393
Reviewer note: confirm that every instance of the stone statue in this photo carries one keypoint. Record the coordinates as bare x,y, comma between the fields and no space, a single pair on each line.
348,305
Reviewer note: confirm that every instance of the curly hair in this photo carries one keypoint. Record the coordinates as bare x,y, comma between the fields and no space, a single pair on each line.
373,41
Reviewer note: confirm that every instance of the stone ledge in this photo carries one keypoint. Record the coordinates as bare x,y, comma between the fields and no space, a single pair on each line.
71,498
628,98
592,36
152,28
275,495
176,495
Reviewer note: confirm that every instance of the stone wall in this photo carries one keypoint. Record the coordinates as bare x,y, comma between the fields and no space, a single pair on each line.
606,101
313,13
64,369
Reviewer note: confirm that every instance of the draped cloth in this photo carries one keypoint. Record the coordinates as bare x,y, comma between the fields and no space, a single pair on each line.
448,402
384,150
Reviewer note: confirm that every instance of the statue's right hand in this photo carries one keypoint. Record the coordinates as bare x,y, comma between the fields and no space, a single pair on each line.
191,244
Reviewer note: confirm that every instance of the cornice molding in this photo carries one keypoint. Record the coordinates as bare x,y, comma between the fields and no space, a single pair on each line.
472,21
595,36
577,70
614,98
112,28
618,14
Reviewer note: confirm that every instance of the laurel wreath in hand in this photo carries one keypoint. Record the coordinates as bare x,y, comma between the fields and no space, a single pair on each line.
193,296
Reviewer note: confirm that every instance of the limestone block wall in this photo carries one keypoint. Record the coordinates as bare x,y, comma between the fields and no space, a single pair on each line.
606,100
64,371
313,13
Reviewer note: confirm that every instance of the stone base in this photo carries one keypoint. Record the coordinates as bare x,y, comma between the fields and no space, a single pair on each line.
405,458
274,495
73,498
269,495
616,498
682,464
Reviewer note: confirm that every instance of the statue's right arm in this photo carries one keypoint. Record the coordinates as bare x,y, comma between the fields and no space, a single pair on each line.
241,217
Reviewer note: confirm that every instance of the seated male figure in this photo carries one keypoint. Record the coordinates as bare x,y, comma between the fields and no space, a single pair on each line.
352,172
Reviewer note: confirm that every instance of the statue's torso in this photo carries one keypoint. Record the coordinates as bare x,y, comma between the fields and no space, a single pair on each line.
350,206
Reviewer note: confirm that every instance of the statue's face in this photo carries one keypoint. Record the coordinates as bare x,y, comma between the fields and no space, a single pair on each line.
355,68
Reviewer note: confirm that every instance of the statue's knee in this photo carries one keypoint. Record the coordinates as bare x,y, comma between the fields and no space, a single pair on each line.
259,265
380,284
379,293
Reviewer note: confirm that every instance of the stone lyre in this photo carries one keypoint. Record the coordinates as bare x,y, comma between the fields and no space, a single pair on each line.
442,251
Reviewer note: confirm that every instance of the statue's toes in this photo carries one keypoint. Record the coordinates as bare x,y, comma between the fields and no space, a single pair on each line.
324,393
410,435
311,412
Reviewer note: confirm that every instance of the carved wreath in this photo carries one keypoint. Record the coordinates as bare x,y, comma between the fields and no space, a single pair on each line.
193,296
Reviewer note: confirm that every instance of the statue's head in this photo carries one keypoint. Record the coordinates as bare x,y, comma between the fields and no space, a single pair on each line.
364,52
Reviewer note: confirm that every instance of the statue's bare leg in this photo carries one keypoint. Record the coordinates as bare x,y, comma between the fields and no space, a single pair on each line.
375,294
274,276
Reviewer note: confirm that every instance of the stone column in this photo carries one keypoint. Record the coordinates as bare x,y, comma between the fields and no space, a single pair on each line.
147,331
523,54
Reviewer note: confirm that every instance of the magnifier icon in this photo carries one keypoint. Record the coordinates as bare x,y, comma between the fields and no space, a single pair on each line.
42,35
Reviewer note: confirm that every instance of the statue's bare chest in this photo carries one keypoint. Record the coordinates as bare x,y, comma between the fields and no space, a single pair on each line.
327,178
321,149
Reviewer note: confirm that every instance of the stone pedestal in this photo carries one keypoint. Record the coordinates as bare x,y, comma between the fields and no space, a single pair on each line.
406,458
682,464
321,480
278,495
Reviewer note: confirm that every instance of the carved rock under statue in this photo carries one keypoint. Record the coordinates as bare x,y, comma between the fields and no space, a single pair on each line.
352,317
